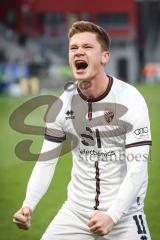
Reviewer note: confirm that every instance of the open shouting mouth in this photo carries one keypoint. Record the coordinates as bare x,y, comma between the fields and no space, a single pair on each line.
81,64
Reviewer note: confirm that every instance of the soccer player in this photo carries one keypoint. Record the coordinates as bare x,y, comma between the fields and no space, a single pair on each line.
107,120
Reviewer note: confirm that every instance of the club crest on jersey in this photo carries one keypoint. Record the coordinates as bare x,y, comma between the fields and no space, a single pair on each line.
108,116
70,114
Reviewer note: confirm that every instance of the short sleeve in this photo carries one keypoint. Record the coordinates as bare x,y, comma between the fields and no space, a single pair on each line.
138,118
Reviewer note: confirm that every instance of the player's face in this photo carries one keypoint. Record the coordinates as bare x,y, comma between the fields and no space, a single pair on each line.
86,56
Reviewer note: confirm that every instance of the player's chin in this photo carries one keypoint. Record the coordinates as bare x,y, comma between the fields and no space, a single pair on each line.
81,77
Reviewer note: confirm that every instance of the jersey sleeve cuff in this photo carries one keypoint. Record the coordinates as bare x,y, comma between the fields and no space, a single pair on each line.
114,215
26,204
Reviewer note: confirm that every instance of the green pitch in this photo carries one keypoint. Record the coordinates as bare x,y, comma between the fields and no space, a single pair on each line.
14,173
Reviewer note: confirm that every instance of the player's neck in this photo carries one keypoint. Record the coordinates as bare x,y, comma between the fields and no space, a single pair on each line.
96,88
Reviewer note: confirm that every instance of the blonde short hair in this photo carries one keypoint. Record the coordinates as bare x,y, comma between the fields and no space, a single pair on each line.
86,26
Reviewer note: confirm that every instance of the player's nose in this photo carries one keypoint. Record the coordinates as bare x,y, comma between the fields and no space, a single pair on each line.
79,51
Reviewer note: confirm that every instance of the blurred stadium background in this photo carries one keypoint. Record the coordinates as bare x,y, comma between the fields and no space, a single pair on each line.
34,61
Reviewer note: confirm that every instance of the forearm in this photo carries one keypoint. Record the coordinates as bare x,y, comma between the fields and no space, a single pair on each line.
41,176
135,177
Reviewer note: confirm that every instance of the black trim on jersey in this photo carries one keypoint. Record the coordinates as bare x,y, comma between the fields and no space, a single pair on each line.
101,96
136,144
89,111
54,139
97,186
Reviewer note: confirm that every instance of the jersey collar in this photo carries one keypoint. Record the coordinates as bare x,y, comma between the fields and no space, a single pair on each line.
99,97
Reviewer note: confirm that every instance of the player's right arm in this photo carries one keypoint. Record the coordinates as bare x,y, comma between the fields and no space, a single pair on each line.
38,183
43,171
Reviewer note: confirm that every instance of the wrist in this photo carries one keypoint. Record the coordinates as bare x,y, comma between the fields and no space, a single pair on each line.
113,216
28,207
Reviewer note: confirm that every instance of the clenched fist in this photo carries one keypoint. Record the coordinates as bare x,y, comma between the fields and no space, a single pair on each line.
22,218
100,223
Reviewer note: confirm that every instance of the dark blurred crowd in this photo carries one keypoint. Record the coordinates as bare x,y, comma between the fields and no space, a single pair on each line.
28,62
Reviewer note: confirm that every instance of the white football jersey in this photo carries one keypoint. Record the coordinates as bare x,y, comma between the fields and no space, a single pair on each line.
101,129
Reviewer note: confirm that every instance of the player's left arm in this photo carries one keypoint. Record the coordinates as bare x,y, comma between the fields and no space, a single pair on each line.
137,148
101,223
137,175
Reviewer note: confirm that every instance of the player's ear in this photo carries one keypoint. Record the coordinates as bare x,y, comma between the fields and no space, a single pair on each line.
105,57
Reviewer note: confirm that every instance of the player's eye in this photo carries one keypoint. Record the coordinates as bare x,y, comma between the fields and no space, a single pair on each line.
87,47
73,48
